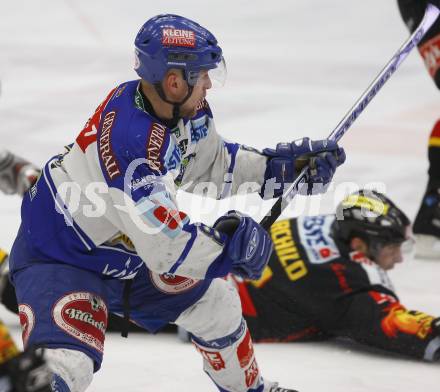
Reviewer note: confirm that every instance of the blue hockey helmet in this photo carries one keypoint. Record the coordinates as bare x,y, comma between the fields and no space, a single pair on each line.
170,41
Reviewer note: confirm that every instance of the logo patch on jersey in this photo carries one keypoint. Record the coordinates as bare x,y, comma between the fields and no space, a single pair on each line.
245,351
155,142
253,244
82,315
251,374
161,212
430,51
214,358
325,252
105,148
172,218
172,284
178,37
199,129
173,157
27,321
314,232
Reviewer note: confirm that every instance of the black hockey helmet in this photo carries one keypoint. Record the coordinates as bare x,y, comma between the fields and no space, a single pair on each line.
371,216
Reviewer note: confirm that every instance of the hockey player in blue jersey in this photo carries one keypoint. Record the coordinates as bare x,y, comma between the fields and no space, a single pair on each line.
101,230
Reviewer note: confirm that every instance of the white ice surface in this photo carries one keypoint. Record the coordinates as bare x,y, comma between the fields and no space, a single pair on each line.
295,67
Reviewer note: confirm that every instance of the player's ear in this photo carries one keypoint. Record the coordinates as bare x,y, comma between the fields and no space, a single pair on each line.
173,83
358,244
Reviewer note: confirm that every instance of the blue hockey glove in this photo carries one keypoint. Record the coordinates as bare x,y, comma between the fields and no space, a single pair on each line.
287,160
249,245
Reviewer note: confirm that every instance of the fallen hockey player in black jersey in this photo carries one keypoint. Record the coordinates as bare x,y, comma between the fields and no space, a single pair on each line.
327,278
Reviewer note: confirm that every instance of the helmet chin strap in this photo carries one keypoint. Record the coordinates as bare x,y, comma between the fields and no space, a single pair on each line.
176,105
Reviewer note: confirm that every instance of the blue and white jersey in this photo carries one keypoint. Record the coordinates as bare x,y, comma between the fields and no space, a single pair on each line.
115,188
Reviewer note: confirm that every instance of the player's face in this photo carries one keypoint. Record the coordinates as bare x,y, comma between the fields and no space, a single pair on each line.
200,89
389,255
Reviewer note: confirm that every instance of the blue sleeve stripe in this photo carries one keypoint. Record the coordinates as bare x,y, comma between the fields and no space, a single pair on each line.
232,150
188,247
62,209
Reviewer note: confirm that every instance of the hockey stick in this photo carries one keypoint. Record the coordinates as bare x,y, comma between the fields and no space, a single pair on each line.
429,18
